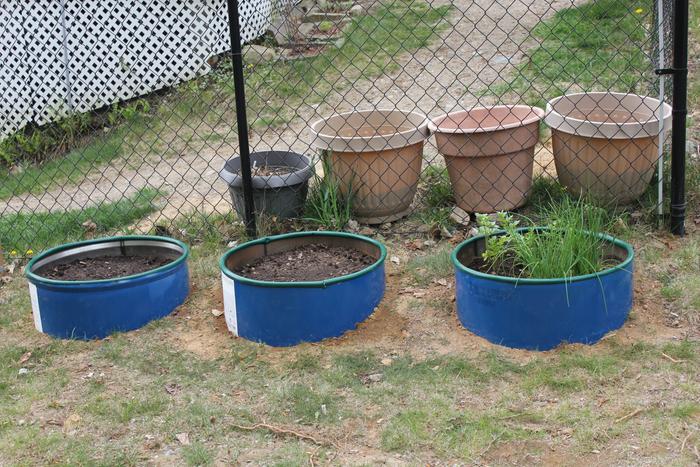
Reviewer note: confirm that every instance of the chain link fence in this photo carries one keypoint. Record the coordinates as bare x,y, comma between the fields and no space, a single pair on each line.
412,112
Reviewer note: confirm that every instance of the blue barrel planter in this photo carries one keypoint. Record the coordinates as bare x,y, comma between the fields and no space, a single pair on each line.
540,314
288,313
94,309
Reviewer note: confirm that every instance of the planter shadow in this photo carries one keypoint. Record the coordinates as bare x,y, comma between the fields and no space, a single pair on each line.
94,309
289,313
540,314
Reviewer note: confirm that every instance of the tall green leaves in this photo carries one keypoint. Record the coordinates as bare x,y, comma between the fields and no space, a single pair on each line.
568,247
327,204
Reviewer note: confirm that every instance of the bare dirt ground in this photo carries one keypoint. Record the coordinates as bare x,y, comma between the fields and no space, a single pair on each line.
483,43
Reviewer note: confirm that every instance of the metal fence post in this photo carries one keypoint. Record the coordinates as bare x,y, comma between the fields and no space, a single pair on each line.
680,112
241,119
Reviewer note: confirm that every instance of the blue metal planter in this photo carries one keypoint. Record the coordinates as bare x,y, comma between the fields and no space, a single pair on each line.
288,313
97,308
539,314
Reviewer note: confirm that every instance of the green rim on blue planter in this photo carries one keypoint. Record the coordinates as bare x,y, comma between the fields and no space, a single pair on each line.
524,281
72,245
324,283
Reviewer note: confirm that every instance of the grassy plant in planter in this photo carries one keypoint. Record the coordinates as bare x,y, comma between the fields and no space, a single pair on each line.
538,287
565,249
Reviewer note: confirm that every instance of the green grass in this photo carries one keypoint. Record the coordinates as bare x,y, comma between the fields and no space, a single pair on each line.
686,410
125,410
197,454
431,266
599,45
309,405
434,425
438,188
70,168
680,278
83,155
329,203
438,199
369,48
21,232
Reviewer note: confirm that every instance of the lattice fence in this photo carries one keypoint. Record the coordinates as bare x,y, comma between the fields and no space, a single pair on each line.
60,57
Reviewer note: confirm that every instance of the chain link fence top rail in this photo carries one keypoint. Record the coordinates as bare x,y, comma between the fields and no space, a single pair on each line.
414,111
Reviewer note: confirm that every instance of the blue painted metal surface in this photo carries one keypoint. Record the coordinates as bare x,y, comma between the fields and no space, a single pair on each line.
289,313
540,314
96,309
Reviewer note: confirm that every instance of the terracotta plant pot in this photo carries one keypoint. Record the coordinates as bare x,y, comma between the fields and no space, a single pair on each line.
489,152
606,144
376,155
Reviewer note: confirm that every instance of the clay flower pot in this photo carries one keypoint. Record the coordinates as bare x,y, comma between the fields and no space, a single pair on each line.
606,143
489,152
376,155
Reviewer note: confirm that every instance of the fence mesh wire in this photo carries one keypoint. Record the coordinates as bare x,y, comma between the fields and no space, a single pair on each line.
413,112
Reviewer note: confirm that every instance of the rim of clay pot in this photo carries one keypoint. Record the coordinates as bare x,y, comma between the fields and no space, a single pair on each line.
325,138
554,280
68,249
303,170
559,108
314,233
535,114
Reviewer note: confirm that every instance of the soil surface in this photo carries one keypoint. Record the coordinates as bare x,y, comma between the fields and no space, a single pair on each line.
268,170
103,267
508,268
312,262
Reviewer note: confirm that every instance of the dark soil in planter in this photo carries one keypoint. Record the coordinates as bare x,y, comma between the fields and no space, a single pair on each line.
507,268
269,170
313,262
102,267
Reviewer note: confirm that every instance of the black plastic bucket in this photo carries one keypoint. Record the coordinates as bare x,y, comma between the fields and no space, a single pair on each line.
277,195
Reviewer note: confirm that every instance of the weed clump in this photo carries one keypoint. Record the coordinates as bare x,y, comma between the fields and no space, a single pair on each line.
571,245
328,204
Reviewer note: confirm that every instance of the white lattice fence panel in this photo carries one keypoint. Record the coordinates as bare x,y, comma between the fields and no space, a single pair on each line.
14,75
114,50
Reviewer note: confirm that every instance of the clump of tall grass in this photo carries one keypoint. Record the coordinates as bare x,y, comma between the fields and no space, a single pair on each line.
327,204
569,246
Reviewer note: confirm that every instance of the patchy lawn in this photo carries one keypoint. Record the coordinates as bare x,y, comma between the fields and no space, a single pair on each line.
24,233
409,386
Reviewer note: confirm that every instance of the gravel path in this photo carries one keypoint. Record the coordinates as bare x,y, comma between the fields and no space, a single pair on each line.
484,41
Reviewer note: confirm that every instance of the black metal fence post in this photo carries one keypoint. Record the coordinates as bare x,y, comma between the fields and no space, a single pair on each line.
239,85
680,112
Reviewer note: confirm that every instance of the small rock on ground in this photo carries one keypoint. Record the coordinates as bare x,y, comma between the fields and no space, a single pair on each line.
258,54
459,215
356,10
